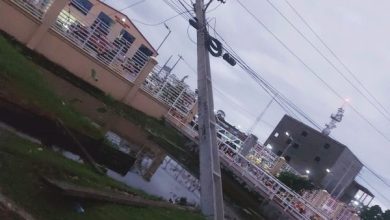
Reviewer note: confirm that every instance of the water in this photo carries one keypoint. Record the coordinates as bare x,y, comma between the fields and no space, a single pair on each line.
170,182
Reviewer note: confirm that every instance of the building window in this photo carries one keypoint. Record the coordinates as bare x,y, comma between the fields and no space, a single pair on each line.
103,23
304,133
84,6
276,134
317,159
295,145
326,146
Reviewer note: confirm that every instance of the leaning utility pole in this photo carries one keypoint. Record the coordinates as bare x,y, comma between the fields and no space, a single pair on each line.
211,199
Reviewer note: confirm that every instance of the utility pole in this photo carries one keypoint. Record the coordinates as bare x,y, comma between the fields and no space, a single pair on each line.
170,69
211,198
166,37
258,119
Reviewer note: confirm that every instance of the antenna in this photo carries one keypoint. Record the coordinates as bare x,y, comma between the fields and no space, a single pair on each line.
335,118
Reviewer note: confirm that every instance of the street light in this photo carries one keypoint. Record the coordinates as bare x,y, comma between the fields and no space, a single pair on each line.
327,170
307,172
288,134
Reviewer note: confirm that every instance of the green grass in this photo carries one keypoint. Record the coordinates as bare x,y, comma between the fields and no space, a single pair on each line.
137,117
21,165
168,137
27,85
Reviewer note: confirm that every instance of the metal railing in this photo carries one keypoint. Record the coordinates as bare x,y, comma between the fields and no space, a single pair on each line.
259,180
330,206
268,159
256,178
36,8
172,91
92,38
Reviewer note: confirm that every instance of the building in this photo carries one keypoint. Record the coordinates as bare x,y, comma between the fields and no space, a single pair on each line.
328,163
101,46
358,195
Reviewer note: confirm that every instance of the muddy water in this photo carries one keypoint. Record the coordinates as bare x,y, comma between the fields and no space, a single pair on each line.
161,183
51,134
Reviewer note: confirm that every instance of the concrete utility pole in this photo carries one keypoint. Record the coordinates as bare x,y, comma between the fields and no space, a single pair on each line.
211,199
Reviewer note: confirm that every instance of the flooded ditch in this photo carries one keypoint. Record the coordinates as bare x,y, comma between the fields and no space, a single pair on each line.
51,134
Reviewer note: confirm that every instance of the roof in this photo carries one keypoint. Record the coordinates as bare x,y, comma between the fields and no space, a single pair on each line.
362,188
146,40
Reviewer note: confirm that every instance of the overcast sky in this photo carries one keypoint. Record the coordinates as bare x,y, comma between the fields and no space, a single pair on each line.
357,31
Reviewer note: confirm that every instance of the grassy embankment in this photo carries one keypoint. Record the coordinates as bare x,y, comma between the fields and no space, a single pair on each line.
169,138
21,165
21,162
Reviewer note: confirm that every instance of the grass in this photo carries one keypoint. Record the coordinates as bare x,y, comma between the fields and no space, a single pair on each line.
21,165
20,76
168,137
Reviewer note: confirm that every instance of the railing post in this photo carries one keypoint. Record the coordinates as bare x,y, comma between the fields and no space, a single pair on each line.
192,113
48,20
146,70
278,166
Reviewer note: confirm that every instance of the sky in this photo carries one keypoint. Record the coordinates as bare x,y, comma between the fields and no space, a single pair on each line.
356,31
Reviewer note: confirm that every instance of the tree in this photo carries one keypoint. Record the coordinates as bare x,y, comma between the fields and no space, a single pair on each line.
372,213
295,182
386,215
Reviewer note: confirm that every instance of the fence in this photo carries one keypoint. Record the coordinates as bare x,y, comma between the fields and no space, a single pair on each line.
171,91
36,8
259,180
91,37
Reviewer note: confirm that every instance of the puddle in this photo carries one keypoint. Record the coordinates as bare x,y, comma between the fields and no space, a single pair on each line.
170,181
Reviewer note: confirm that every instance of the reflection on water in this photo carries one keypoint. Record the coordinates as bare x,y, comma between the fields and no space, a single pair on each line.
171,181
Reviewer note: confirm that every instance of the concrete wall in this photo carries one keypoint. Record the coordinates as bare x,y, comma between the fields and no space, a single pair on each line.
344,172
148,104
22,26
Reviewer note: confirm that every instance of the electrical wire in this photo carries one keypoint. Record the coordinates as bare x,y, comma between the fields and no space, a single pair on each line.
335,55
328,60
312,71
221,93
378,193
131,5
160,22
272,91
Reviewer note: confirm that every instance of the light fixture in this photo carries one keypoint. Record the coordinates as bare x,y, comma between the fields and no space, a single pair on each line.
307,171
327,170
288,134
269,146
123,19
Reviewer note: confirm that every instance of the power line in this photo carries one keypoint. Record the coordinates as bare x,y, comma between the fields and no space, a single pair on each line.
378,193
131,5
335,55
271,90
311,70
160,22
377,176
327,60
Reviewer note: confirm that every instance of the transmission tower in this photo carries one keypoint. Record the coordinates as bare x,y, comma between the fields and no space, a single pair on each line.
334,119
